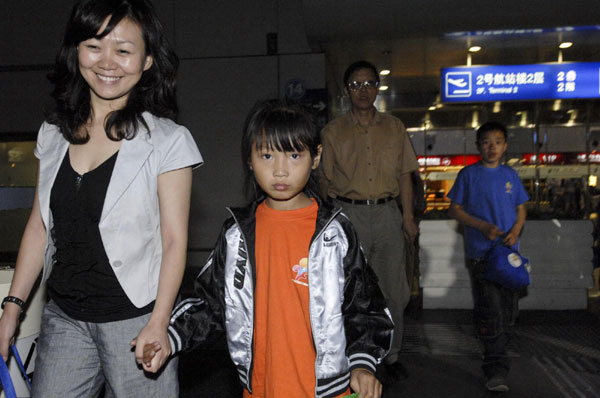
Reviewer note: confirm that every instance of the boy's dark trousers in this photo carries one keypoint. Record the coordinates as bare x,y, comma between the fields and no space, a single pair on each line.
494,315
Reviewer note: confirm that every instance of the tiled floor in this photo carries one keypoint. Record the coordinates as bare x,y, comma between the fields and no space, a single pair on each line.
554,354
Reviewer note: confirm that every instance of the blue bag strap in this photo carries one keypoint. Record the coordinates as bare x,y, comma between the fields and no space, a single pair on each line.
7,385
498,241
21,367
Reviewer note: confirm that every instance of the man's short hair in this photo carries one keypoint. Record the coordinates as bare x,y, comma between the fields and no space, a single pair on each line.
491,126
360,65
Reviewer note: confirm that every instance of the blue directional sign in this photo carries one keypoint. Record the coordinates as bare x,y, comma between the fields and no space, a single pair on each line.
522,32
521,82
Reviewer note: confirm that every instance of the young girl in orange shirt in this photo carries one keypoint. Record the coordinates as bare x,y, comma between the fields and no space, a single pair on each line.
287,281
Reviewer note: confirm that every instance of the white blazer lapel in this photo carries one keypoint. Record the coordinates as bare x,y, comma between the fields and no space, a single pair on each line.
132,155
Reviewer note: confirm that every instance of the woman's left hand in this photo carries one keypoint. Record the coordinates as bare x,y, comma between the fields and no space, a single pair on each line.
152,347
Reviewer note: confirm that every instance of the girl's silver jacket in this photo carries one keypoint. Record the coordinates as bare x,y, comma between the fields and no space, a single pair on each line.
351,325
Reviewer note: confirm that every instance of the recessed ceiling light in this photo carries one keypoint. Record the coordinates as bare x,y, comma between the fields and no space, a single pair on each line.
384,72
474,49
565,44
556,105
432,108
383,88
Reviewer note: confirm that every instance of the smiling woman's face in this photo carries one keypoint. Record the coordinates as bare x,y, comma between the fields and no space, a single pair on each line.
113,65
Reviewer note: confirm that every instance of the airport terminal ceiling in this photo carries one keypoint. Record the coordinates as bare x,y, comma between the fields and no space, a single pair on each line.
415,39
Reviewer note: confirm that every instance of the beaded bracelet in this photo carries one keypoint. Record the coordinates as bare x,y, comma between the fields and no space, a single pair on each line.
13,299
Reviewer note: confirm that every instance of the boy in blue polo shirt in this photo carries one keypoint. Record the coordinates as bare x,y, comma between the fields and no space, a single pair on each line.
488,199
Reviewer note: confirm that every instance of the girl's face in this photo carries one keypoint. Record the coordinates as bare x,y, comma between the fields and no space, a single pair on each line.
491,147
283,175
113,65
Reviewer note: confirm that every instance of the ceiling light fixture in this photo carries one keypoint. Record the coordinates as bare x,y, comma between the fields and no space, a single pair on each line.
572,116
385,72
496,108
474,49
565,44
383,88
475,119
556,105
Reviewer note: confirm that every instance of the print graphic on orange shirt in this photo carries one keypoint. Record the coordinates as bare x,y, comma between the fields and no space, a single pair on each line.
301,271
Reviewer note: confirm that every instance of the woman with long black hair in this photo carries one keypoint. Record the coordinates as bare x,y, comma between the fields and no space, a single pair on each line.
108,226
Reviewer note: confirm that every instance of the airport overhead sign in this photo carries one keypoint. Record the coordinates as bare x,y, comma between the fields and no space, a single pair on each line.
522,32
521,82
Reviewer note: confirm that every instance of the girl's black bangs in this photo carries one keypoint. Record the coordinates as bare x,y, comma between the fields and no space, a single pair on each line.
283,141
284,133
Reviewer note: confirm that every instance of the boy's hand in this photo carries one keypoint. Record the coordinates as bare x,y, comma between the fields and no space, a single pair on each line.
490,231
510,238
365,384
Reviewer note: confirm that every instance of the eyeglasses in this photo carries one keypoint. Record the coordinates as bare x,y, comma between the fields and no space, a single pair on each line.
355,86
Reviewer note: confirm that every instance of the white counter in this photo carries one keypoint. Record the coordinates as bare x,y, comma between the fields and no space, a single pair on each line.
560,254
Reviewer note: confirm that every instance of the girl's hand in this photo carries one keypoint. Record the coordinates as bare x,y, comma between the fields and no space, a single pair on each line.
149,353
152,347
8,326
365,384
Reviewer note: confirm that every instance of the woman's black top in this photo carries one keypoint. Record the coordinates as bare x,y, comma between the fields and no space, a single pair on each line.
82,282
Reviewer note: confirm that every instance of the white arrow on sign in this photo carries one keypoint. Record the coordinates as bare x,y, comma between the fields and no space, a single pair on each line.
319,106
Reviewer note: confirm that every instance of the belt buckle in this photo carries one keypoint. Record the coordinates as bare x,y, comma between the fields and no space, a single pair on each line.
370,202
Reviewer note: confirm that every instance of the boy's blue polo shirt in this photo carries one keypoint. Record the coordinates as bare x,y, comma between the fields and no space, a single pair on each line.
489,194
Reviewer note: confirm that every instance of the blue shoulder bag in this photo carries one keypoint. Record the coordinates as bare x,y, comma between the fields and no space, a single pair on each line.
506,266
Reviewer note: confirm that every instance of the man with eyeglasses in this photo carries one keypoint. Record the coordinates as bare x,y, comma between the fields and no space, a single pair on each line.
366,166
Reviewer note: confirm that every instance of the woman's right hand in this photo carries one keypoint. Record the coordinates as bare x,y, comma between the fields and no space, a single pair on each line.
8,326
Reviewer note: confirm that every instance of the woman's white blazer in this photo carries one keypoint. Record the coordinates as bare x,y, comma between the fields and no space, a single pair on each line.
130,220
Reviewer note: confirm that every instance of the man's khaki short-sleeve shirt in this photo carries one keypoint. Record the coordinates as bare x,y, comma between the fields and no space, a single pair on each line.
365,162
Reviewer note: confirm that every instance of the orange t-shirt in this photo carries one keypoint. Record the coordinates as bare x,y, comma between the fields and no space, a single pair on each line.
284,356
284,353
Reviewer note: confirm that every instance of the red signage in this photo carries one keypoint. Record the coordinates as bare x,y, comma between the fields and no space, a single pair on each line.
545,158
562,158
527,159
451,160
